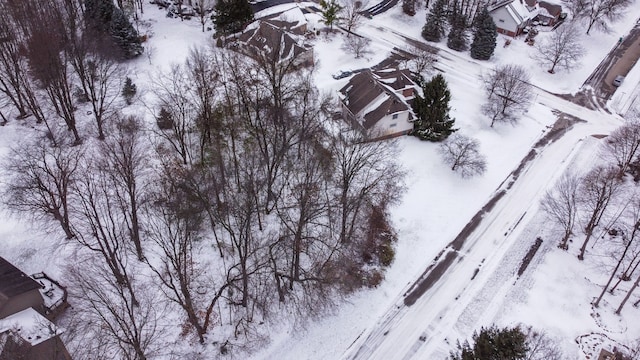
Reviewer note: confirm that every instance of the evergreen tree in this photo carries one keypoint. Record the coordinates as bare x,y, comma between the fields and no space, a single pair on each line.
433,29
104,20
232,15
330,12
129,90
124,35
409,7
494,343
432,110
484,37
457,39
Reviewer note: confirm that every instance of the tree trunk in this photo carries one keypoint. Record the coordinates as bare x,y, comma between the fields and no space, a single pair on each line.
613,273
626,298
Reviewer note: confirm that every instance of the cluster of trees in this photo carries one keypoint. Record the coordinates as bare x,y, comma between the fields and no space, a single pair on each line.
248,204
508,344
601,199
54,58
460,17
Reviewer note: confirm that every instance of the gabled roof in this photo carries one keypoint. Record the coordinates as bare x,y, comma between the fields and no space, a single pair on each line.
397,79
553,10
519,10
373,95
269,40
13,281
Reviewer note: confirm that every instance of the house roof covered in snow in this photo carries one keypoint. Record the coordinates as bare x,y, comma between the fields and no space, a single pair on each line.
29,325
375,94
268,39
13,281
519,10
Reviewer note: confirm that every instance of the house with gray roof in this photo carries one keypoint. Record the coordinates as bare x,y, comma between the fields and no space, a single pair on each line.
18,291
378,103
275,41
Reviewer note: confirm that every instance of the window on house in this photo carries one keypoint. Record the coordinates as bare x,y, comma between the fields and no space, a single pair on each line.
395,116
392,125
500,20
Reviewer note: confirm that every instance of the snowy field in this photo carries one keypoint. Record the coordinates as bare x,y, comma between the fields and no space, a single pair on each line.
554,294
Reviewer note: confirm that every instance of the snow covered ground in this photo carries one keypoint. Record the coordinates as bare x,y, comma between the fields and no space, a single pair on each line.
554,294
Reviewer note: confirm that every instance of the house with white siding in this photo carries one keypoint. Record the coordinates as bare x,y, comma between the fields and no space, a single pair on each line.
378,103
512,16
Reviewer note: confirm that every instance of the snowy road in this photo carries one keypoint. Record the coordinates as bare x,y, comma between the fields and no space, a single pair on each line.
417,324
419,330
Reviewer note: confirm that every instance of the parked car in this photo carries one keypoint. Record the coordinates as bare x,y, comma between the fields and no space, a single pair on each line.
184,11
341,74
618,80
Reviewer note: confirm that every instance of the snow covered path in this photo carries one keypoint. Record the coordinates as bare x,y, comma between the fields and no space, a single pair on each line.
420,330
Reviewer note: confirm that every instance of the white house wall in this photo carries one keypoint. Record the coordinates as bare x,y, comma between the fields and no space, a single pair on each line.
504,20
388,126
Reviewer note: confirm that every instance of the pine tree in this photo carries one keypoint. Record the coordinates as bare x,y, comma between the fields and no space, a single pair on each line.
129,90
124,35
104,20
232,15
330,12
484,37
494,343
409,7
457,39
433,29
432,110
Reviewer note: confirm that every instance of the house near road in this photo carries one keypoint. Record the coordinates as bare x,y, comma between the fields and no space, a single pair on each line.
378,103
513,16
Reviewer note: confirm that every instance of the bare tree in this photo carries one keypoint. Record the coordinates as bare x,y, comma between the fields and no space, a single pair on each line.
48,63
357,45
562,48
542,346
124,157
462,153
172,90
597,189
359,179
202,9
420,60
623,145
627,296
561,205
352,14
101,79
508,93
99,224
11,65
629,240
126,329
39,181
598,13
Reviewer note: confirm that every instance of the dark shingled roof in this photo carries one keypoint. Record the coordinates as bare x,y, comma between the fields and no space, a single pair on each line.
367,86
13,281
271,41
553,9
